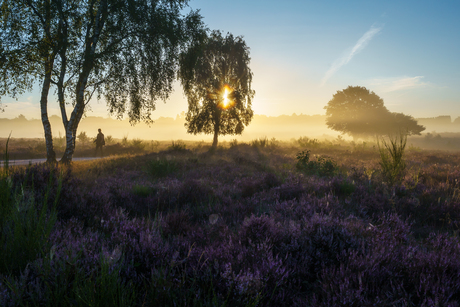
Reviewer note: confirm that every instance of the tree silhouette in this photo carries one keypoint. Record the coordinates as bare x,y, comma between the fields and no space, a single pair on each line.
217,83
124,50
358,112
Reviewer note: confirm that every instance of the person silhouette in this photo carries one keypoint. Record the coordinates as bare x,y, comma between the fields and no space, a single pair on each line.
99,142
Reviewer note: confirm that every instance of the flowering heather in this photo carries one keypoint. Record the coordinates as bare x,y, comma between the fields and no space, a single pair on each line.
235,227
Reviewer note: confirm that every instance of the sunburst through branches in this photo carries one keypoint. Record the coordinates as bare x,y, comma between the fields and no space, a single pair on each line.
226,103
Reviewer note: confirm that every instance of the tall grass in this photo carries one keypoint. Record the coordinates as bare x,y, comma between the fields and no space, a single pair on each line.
24,225
6,157
260,142
391,150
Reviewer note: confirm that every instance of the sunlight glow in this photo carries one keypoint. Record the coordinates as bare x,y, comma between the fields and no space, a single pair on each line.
226,102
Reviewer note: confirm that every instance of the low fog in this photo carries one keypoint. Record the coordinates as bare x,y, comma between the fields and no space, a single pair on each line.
167,128
284,127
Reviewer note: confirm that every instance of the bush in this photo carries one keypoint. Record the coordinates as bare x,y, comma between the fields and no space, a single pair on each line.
161,167
83,138
177,146
323,166
138,144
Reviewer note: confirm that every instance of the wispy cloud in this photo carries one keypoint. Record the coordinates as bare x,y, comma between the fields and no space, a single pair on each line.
362,42
386,85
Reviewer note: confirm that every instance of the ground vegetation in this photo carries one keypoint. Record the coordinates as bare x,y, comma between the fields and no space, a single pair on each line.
268,223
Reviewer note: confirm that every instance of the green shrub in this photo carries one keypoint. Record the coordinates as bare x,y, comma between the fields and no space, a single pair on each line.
323,166
138,144
142,191
177,146
392,157
161,167
83,138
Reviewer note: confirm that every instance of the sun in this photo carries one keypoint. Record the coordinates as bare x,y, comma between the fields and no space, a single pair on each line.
226,101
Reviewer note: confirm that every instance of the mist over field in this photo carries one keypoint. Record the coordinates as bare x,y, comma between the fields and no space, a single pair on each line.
284,127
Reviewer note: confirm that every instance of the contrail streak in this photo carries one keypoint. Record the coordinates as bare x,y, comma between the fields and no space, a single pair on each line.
362,42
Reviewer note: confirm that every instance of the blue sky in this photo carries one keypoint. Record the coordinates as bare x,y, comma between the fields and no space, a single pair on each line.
407,52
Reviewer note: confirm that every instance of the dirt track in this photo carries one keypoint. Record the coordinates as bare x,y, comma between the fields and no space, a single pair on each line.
38,161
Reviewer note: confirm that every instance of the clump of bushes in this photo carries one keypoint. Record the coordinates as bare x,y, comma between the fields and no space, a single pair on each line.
323,166
178,146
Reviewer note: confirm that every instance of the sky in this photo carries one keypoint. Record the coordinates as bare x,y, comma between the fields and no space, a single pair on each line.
303,52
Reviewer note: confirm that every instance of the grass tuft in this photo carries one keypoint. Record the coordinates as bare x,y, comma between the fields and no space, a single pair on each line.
392,161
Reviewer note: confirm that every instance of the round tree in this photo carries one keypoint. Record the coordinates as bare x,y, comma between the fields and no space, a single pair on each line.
217,81
358,112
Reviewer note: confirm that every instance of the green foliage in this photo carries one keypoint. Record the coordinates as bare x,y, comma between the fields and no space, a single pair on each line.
6,159
25,226
345,188
161,167
323,166
44,39
102,285
142,191
104,288
217,83
392,157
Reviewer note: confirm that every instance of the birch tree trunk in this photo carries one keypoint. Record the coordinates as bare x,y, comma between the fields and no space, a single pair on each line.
217,114
50,153
91,40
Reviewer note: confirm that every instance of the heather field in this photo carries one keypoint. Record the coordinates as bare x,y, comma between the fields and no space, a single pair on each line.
264,223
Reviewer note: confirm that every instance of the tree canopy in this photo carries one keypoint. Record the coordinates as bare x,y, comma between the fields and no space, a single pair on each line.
124,50
358,112
217,83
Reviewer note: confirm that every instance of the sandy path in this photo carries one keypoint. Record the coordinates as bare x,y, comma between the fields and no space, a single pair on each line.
38,161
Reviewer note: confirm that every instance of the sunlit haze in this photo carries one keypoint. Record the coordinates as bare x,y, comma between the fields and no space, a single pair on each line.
225,102
303,52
